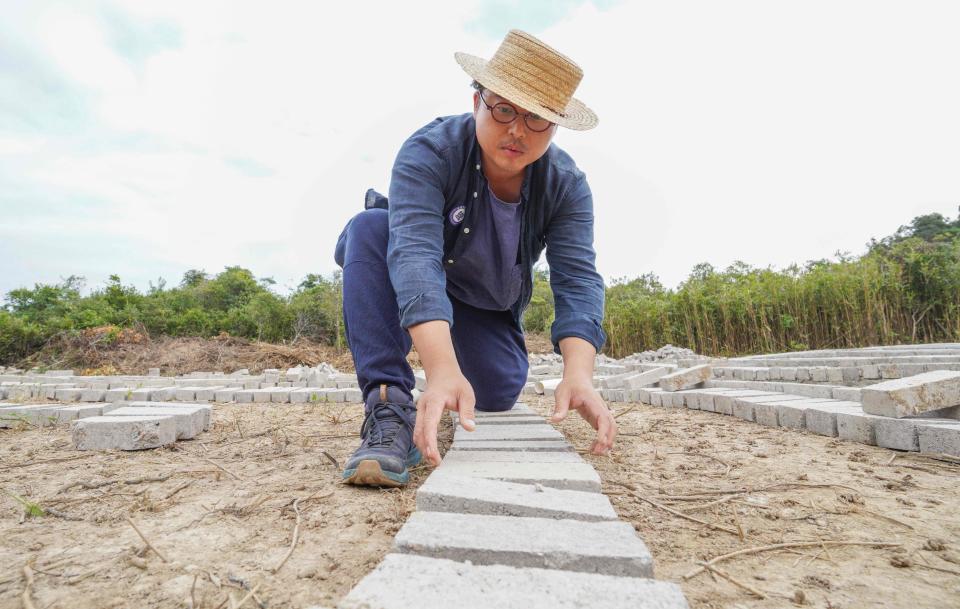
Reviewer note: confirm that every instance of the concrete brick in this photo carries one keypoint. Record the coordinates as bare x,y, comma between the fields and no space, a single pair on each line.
902,434
280,395
337,395
528,420
543,543
207,394
847,394
119,394
943,438
404,581
468,495
308,395
353,395
38,415
226,394
205,409
913,395
67,395
686,378
263,395
857,427
512,457
514,446
889,371
850,374
163,394
92,395
186,394
189,421
743,407
834,375
822,418
567,476
645,379
123,433
723,403
790,415
507,432
766,414
141,394
244,396
72,413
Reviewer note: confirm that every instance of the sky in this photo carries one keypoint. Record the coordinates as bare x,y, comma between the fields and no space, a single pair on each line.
146,139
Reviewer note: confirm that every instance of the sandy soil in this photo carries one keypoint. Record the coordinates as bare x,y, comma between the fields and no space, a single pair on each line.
772,486
219,509
231,527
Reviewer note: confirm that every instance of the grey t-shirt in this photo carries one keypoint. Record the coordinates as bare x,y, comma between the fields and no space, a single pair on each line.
487,274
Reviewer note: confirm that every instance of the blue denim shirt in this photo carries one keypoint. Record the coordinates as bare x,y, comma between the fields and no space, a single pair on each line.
438,171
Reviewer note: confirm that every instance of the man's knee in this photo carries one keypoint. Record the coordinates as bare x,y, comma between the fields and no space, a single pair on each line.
366,231
503,395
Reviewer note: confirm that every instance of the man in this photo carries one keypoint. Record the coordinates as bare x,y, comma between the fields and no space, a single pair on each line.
447,263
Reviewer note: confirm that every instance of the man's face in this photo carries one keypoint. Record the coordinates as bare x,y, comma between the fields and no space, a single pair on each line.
509,148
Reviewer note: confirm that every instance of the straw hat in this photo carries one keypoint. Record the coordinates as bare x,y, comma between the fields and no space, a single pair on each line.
529,73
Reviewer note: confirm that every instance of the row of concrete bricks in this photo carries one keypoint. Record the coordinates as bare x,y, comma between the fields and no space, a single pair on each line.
86,382
934,362
828,374
828,417
505,522
296,395
118,391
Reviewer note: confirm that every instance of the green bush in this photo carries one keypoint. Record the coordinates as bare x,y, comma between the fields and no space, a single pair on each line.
905,288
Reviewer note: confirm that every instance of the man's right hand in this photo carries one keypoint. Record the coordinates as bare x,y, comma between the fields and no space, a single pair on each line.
446,390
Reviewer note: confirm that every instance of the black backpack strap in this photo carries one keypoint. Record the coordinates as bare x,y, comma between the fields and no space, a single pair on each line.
375,200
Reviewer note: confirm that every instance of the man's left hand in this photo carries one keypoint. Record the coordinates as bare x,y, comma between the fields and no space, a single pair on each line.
582,397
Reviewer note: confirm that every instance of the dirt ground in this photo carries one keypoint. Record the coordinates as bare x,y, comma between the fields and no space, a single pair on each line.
219,509
108,350
773,486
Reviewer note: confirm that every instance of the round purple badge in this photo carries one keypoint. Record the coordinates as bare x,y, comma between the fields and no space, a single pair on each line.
457,214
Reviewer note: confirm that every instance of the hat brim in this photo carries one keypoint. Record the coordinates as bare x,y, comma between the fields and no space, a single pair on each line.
575,116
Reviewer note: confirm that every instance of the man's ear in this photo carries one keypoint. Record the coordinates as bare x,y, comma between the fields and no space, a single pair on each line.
476,103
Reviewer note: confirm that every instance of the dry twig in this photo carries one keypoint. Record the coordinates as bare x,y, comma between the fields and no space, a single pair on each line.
296,537
27,597
733,581
149,545
670,510
222,468
781,546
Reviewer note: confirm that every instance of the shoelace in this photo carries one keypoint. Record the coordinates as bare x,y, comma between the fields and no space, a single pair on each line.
382,431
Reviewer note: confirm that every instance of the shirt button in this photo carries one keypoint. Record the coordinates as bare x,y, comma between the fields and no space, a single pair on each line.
478,166
450,261
466,229
474,195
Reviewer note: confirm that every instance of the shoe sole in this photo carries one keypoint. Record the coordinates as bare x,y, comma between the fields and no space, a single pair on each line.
369,473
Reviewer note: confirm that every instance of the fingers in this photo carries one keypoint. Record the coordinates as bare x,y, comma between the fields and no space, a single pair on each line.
425,430
562,407
465,407
606,433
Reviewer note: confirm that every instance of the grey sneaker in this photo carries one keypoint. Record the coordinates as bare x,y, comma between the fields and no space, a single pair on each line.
387,448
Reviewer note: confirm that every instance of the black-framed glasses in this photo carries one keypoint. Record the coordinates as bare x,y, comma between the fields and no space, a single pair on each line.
505,113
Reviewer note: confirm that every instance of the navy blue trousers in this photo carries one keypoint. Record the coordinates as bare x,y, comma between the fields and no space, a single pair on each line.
489,344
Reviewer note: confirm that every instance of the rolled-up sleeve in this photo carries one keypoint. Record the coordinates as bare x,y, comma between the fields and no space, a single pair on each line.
415,249
578,291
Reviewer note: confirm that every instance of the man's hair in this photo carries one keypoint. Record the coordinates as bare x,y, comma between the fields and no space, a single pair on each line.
476,85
